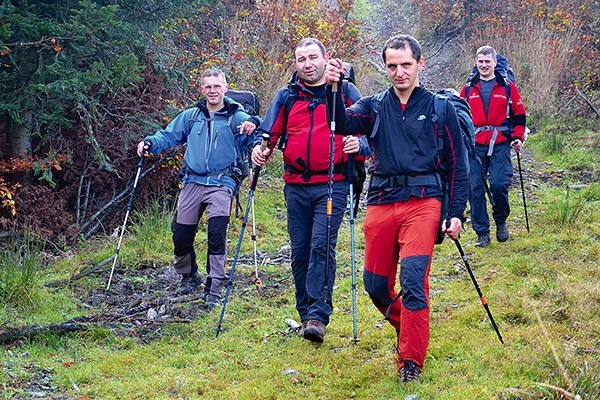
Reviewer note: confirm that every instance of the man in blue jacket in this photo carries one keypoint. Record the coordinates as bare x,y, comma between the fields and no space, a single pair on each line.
410,163
216,131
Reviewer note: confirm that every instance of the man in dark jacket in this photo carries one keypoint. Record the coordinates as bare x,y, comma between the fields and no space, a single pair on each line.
298,117
215,131
499,120
410,162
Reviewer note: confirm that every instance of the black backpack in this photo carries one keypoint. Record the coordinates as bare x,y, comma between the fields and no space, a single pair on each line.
247,99
465,121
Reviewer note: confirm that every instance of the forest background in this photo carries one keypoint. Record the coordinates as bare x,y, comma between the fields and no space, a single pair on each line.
83,81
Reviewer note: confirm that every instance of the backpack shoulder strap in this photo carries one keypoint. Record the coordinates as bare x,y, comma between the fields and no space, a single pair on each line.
289,103
193,119
376,109
440,102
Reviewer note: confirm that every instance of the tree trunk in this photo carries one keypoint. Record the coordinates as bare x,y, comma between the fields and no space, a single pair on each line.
19,135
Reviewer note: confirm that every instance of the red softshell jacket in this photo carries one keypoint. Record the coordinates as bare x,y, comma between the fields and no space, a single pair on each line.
496,115
308,134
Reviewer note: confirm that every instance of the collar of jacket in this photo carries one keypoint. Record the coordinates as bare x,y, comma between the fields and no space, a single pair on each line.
294,83
230,107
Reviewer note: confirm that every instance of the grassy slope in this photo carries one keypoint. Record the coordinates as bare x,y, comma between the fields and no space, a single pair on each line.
543,290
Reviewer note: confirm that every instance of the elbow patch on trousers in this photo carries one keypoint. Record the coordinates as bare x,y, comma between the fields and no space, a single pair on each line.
377,288
412,279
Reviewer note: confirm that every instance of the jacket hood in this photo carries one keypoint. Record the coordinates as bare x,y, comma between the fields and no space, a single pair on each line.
230,106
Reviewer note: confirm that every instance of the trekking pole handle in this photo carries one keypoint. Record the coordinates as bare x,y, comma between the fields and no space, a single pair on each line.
265,141
263,146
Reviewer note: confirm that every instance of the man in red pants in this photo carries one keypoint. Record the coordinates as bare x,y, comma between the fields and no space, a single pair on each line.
411,164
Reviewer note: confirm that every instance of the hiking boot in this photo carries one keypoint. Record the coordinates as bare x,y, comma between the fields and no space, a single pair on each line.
502,232
189,282
302,328
314,331
212,300
409,372
483,240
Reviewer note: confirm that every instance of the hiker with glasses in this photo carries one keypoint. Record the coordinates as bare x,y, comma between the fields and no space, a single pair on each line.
216,132
410,164
499,120
297,119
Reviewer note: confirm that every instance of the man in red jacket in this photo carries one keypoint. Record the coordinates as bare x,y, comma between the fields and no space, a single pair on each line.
297,117
499,120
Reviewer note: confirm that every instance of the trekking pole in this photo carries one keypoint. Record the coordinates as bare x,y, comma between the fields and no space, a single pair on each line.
483,301
334,89
263,146
352,258
523,190
129,208
256,280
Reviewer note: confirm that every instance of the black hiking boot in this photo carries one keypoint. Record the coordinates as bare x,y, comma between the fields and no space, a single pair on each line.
483,240
314,331
409,372
502,233
212,300
189,282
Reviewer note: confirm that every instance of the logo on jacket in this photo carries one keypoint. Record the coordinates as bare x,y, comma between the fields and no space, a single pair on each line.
421,117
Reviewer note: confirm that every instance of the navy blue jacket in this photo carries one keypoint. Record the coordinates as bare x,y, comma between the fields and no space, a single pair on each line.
406,145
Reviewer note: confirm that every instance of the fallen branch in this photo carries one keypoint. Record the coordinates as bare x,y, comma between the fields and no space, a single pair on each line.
81,274
12,334
85,228
77,325
589,103
560,390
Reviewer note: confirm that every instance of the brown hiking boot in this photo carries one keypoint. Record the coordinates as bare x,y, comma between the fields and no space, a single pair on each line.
302,328
314,331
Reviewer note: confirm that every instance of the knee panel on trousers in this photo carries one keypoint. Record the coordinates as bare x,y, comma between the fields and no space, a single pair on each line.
217,234
412,279
183,238
377,287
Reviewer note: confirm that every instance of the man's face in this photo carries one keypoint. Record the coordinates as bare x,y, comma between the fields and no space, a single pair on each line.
485,66
214,88
402,69
310,64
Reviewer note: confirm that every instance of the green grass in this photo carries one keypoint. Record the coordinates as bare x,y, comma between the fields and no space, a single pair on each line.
542,287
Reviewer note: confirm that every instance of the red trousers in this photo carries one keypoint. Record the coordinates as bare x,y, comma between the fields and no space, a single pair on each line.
404,231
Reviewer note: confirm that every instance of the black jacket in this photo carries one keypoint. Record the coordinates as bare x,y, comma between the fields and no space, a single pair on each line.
405,147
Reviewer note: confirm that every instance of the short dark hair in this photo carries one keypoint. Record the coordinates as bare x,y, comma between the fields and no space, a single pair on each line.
214,71
403,42
309,41
486,51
